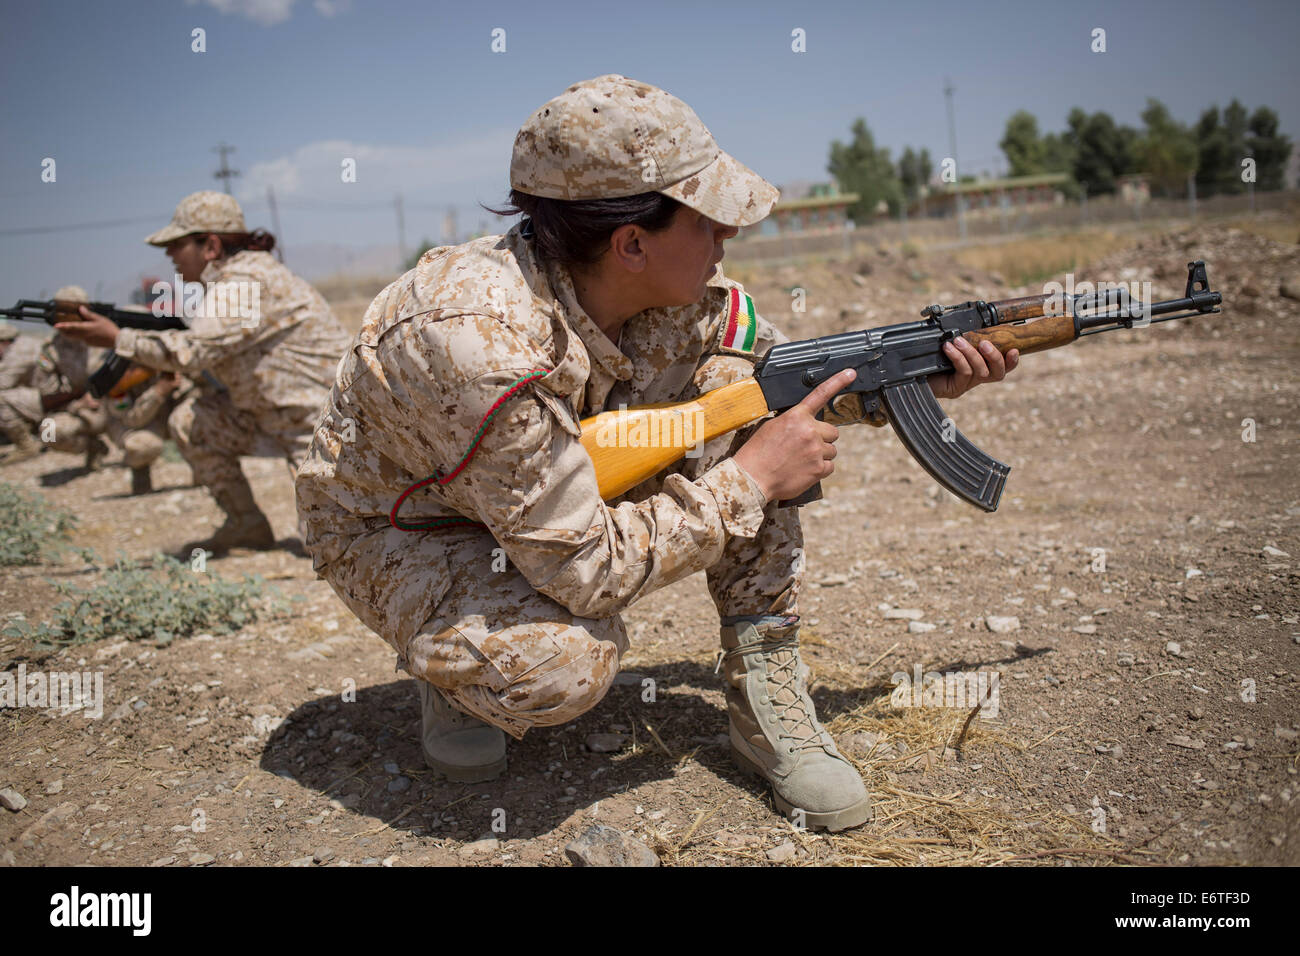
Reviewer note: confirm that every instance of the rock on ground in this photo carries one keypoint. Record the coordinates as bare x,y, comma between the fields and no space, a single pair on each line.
604,846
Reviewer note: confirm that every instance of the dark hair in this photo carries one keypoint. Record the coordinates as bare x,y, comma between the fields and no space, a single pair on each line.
576,232
259,240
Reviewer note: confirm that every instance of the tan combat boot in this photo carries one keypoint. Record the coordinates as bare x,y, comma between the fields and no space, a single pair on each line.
25,445
775,733
462,748
245,527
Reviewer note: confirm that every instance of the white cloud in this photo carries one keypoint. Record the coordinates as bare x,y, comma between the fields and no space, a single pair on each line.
281,173
270,12
331,8
314,171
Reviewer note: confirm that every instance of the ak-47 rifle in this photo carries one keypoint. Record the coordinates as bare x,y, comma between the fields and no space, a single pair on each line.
115,375
893,364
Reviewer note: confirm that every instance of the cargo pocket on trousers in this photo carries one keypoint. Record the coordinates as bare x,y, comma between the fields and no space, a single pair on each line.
512,655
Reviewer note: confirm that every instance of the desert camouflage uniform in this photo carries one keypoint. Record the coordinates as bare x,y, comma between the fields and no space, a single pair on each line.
537,642
19,363
31,370
137,422
276,367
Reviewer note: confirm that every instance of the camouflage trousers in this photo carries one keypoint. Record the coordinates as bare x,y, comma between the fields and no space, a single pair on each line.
141,447
62,431
511,656
211,434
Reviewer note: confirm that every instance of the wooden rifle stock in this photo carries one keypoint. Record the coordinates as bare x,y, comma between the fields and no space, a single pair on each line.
630,445
135,375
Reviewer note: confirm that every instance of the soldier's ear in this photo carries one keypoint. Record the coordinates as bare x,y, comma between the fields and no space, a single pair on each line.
626,247
212,248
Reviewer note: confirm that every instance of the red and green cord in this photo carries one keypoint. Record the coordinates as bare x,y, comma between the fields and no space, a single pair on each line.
438,476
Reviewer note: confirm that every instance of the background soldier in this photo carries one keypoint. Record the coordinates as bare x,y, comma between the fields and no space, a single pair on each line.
263,333
137,422
40,395
19,355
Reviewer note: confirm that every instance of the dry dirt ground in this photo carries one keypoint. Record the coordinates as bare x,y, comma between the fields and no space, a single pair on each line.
1148,696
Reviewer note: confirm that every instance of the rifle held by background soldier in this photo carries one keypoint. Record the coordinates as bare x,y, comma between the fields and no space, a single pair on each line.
115,375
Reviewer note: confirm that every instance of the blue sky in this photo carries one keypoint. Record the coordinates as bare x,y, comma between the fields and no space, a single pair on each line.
115,95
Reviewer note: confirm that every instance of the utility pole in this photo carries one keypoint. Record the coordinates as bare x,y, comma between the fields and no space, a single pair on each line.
952,144
225,173
275,223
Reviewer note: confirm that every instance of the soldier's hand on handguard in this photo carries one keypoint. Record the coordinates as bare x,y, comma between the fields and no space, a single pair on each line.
788,454
167,383
93,329
971,367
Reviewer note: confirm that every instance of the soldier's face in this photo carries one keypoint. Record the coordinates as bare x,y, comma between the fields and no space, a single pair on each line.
682,258
187,256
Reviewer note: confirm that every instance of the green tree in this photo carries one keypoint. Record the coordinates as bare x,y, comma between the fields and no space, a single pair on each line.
1166,152
1212,154
1058,155
909,174
1236,121
914,172
860,167
925,166
1022,145
1269,148
425,246
1102,151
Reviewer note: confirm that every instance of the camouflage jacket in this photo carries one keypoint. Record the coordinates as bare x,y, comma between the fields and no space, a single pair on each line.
263,332
20,365
437,350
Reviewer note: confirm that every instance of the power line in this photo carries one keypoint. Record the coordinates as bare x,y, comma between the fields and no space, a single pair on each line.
102,224
271,201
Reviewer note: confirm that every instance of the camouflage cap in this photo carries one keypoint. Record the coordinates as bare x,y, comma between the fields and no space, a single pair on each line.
612,136
205,211
8,331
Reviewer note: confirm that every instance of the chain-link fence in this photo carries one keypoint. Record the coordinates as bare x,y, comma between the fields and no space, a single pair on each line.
982,224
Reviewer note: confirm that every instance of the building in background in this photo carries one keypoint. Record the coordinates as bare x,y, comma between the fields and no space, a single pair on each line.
990,196
1134,188
806,207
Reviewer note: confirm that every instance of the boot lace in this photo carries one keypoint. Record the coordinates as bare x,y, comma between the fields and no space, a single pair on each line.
784,691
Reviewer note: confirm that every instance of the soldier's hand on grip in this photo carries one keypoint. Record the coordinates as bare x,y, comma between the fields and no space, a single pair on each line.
792,452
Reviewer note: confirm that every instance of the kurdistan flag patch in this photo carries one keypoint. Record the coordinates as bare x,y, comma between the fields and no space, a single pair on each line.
742,325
